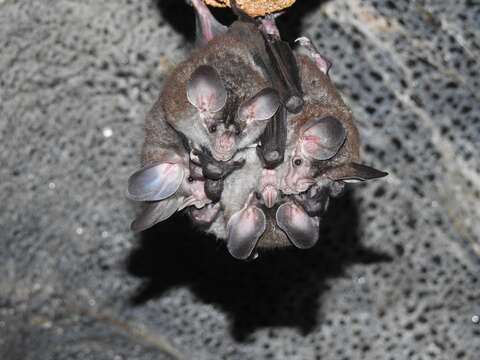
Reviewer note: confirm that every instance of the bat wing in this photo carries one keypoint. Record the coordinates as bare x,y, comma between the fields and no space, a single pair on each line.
288,79
273,140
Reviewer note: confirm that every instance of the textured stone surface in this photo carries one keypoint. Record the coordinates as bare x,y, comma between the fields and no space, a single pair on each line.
255,7
396,274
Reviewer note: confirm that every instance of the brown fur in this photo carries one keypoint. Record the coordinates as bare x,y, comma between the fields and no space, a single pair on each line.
161,140
231,54
321,99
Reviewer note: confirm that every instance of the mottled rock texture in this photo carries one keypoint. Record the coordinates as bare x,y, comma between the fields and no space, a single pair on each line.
255,7
396,272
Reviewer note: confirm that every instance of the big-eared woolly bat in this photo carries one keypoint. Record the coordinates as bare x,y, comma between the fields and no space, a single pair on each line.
165,183
251,136
219,98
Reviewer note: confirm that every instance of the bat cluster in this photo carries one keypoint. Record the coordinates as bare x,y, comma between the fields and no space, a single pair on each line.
249,137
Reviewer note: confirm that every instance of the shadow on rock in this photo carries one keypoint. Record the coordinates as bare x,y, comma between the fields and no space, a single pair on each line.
280,288
181,17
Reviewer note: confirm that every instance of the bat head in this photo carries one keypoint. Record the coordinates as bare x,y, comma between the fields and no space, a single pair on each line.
320,139
228,127
166,188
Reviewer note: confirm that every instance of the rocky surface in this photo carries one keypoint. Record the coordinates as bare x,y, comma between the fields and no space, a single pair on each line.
396,272
255,7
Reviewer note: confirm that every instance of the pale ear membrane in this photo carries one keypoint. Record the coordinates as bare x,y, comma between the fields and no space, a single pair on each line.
155,182
354,173
154,213
261,106
244,229
323,137
301,229
205,90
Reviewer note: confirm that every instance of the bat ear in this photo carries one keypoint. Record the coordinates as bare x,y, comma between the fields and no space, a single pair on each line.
322,138
207,27
205,89
154,213
244,229
155,182
354,173
301,229
261,106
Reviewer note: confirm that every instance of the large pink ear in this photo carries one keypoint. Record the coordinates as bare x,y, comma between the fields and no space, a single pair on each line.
244,229
154,213
155,182
353,173
322,138
261,106
301,229
205,90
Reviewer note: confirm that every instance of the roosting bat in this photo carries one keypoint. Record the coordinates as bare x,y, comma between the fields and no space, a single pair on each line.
251,136
219,98
165,183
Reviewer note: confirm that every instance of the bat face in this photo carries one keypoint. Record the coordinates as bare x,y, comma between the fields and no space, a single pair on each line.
319,140
192,193
215,109
228,127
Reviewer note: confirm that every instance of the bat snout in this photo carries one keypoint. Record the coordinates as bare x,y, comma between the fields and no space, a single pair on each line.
269,195
224,147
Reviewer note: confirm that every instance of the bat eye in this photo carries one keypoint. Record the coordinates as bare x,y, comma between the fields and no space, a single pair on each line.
297,162
190,179
237,131
212,128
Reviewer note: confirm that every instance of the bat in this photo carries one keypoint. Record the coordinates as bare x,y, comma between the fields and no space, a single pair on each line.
219,98
164,184
321,155
249,137
280,65
323,136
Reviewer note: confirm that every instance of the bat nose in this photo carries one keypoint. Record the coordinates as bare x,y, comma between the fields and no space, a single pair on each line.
270,195
226,140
